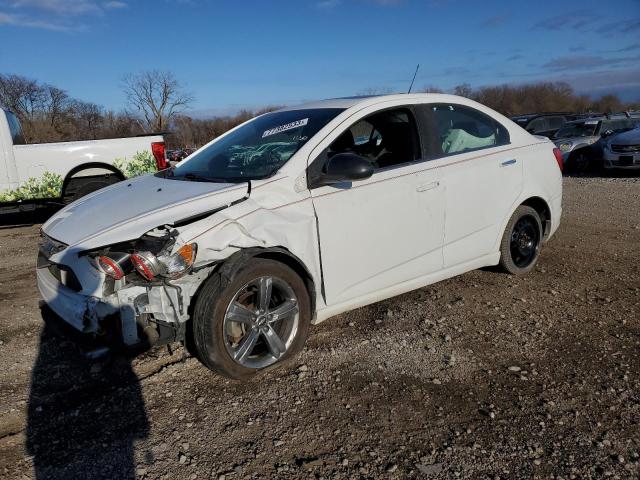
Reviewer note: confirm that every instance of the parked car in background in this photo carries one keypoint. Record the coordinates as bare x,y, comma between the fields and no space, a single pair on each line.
287,220
66,171
176,156
544,124
579,140
622,150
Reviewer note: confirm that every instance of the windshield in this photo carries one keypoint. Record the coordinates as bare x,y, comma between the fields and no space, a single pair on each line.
582,129
256,150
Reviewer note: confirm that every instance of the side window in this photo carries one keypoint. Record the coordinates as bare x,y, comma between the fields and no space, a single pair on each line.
460,129
555,122
538,125
14,128
386,138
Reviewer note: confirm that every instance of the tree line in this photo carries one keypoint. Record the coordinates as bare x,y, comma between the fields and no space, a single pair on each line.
156,102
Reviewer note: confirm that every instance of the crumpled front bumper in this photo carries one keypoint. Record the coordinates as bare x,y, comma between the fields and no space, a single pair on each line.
122,314
80,311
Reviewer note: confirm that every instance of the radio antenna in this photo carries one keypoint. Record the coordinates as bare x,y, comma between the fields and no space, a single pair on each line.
414,78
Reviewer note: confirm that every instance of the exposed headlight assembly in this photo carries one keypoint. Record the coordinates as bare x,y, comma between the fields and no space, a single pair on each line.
170,266
149,265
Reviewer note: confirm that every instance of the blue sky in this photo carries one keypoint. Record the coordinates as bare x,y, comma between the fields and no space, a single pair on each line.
245,54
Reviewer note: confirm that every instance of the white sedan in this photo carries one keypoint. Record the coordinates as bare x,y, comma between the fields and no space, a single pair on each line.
298,215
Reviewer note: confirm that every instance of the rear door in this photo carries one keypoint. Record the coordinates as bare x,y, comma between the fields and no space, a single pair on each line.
481,176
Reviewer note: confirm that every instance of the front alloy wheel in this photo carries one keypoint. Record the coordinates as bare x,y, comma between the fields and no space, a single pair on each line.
256,319
261,322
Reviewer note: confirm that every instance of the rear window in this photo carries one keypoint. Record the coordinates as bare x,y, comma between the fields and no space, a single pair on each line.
460,129
15,130
578,129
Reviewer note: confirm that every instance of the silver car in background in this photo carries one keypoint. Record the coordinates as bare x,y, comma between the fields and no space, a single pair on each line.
623,150
576,139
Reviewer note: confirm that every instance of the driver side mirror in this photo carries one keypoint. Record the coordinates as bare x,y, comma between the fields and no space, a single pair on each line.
344,167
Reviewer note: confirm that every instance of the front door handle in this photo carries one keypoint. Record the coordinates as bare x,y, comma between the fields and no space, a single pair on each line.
506,163
427,186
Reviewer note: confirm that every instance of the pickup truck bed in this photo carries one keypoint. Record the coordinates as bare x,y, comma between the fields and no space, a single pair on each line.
65,171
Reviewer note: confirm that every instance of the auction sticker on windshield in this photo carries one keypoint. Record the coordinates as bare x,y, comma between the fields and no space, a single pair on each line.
288,126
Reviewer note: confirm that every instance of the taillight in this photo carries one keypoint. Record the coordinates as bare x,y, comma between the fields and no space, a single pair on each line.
558,155
157,148
113,267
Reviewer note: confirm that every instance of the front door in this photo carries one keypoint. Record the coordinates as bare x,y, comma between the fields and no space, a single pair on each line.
387,229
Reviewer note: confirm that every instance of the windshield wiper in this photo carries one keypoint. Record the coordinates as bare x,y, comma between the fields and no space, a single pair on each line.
202,178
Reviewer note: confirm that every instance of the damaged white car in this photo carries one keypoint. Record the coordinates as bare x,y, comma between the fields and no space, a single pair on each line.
298,215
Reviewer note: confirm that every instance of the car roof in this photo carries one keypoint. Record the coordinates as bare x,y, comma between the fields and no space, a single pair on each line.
599,118
348,102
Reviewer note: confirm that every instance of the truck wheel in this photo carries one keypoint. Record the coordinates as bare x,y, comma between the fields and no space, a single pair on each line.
257,319
80,186
520,246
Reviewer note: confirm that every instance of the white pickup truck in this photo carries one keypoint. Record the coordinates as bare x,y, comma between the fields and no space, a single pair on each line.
62,172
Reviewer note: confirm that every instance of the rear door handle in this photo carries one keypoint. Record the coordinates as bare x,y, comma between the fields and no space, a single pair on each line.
427,186
506,163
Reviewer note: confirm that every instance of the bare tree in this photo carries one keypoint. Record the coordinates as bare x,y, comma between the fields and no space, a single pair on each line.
431,89
89,118
157,96
56,104
22,95
463,90
370,91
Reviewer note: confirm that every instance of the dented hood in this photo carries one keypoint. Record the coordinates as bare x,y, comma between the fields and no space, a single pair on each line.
128,209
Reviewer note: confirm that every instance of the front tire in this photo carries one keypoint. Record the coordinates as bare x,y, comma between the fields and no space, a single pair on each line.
257,319
521,241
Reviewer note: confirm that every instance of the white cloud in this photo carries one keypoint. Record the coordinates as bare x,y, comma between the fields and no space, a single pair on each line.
20,21
114,5
328,4
61,7
56,15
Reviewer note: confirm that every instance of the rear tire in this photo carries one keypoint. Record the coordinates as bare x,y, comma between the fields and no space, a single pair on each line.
521,241
228,316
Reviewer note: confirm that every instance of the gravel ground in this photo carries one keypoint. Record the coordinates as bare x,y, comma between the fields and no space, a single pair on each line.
481,376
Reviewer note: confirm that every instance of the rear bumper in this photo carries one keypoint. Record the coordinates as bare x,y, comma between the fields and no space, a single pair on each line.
556,214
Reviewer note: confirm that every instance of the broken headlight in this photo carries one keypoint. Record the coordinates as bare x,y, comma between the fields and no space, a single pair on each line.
150,256
172,266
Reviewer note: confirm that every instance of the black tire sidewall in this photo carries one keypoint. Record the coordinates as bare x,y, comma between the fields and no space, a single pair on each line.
506,260
211,306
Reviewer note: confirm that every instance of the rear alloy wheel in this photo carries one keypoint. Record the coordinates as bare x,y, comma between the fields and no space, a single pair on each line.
520,246
260,318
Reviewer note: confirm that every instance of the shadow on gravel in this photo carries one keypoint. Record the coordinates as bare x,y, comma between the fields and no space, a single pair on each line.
83,417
